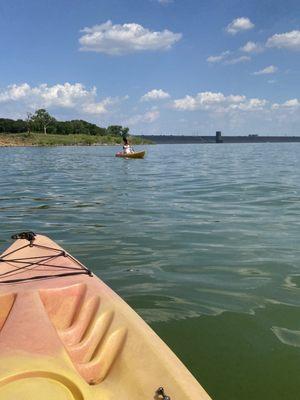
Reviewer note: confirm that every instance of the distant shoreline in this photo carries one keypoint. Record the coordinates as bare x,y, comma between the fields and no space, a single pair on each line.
40,140
182,139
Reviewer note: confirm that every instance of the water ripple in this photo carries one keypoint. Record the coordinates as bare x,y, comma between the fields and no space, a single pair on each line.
190,230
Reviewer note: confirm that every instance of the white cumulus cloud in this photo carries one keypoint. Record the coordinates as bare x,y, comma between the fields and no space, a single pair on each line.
202,100
148,117
124,39
239,25
271,69
99,107
155,94
68,96
253,104
227,58
287,40
238,60
218,102
14,92
239,113
218,58
291,104
151,116
252,47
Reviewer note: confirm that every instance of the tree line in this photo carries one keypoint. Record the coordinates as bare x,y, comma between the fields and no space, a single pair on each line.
42,121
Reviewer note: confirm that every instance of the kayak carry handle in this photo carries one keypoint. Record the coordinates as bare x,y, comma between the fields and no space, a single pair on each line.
160,394
28,235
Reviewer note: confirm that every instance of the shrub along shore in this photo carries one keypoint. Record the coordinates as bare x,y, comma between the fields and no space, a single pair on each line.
40,139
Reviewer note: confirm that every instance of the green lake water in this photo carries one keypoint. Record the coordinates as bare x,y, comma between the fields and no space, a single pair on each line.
201,240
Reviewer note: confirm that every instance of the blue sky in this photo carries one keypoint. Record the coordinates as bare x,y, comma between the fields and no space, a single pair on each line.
158,66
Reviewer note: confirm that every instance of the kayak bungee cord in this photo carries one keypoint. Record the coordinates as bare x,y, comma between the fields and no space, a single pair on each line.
40,261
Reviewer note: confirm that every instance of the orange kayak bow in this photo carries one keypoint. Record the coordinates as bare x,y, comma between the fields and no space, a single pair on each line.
65,335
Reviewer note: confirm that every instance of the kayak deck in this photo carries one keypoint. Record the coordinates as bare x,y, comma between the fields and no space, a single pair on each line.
65,334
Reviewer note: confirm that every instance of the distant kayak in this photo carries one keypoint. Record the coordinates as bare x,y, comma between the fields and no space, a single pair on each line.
65,335
136,154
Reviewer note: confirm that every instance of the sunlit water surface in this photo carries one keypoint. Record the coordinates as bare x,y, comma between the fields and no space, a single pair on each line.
201,240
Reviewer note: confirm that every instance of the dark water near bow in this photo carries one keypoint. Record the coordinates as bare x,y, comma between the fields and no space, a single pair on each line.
202,240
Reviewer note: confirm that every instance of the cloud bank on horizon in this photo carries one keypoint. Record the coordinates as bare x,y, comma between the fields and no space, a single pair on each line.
66,96
162,76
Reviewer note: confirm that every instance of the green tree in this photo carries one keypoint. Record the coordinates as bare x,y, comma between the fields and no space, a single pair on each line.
125,132
114,130
118,130
42,119
10,126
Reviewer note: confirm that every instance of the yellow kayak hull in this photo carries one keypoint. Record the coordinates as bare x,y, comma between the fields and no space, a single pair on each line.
65,335
137,154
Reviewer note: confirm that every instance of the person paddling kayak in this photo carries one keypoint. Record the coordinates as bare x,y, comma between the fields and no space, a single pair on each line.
127,149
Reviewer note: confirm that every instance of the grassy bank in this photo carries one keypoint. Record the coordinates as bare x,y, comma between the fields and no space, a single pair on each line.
39,139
